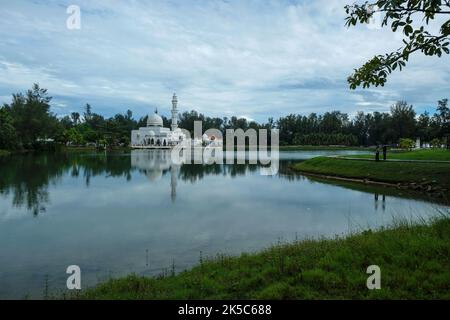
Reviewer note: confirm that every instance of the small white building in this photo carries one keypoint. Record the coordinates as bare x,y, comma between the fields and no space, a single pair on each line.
155,135
418,145
212,141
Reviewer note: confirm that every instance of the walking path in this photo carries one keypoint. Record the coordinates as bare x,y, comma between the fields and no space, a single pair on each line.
389,160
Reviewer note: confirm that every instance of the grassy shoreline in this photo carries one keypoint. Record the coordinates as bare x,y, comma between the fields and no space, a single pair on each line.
128,149
433,178
4,153
380,189
319,148
422,155
414,259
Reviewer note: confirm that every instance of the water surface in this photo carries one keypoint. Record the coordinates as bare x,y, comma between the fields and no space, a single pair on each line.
113,214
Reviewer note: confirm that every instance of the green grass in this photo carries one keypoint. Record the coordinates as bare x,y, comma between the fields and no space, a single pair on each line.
4,153
436,174
312,148
414,261
423,154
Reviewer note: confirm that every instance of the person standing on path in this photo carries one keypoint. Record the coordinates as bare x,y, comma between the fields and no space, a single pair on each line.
377,153
384,152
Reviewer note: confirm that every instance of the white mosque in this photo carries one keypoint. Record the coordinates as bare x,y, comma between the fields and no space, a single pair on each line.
156,163
154,135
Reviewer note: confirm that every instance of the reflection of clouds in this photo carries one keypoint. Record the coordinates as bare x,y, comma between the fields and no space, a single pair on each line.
9,212
155,163
225,209
152,162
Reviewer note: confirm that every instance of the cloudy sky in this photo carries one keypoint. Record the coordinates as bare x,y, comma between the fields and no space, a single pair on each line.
253,59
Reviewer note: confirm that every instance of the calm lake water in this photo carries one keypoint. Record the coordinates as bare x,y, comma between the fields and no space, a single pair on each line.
113,214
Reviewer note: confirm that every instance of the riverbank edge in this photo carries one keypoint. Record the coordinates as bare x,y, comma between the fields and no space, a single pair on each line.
434,189
128,149
324,148
4,153
311,269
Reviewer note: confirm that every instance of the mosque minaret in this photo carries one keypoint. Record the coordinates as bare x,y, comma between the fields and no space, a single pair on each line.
155,135
174,112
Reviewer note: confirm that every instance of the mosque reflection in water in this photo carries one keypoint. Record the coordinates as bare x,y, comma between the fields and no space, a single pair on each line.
155,163
29,181
26,180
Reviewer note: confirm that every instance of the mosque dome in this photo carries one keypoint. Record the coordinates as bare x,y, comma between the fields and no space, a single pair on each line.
154,120
154,174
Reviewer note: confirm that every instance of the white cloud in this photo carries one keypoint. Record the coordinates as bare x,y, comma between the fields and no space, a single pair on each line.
255,58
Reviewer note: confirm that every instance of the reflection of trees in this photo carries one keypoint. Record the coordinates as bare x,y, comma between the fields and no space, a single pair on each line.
101,164
285,171
28,177
195,172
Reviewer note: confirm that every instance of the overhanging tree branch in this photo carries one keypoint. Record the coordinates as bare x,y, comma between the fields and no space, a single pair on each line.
400,12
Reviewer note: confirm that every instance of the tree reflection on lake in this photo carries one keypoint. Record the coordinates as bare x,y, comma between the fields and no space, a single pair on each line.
116,213
28,177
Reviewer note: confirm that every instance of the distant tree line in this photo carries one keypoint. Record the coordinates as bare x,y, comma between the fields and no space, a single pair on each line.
366,128
28,123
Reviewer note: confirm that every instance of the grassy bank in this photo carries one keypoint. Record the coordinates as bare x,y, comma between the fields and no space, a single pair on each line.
4,153
424,154
413,174
414,261
326,148
90,148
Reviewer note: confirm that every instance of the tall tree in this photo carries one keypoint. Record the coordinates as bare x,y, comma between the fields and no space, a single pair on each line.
75,117
87,112
403,119
443,112
423,127
360,128
31,115
8,136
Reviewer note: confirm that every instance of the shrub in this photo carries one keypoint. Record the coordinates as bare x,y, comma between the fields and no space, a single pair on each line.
436,143
406,143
